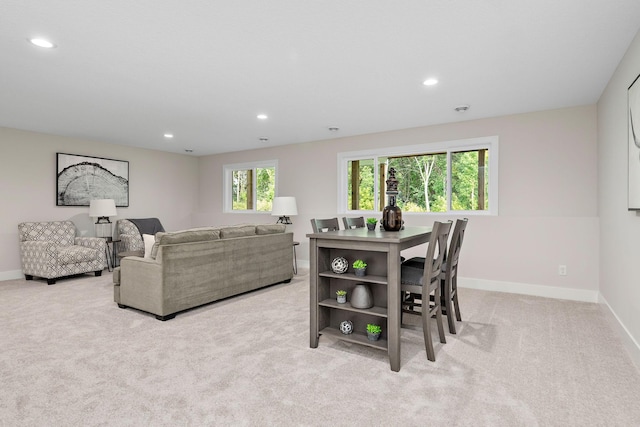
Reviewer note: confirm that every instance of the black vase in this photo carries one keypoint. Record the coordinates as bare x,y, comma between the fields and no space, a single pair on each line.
392,217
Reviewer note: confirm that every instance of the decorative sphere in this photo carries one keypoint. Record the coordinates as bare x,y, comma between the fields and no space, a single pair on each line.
346,327
339,265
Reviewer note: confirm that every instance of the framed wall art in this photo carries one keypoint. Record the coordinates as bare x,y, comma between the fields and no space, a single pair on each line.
80,179
633,98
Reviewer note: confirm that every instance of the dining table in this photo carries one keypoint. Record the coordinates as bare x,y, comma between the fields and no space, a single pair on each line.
381,250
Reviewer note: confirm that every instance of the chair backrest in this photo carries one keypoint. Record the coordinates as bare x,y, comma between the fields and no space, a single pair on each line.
453,253
436,251
322,225
62,233
357,222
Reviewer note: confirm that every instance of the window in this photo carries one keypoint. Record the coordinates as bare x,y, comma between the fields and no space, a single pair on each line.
453,176
249,187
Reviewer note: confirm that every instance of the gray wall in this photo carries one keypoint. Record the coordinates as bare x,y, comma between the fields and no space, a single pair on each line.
620,228
162,185
547,178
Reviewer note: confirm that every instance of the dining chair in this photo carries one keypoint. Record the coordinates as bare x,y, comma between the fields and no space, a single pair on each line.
419,283
322,225
357,222
449,274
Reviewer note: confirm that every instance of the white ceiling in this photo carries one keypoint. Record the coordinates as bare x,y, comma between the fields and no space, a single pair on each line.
126,72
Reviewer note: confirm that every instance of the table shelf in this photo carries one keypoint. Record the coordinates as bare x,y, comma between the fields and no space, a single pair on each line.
380,280
355,337
374,311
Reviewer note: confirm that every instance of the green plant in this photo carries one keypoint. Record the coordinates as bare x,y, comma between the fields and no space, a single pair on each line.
357,264
372,220
341,292
373,329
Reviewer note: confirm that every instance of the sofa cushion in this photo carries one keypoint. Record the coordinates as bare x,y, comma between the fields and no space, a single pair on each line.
75,254
270,228
237,231
187,236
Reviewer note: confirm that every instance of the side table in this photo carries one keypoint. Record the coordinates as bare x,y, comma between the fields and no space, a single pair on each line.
295,259
110,254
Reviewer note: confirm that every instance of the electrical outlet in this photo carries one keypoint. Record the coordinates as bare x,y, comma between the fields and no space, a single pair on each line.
562,270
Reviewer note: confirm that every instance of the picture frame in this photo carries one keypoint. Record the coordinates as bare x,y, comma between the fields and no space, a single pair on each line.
80,179
633,117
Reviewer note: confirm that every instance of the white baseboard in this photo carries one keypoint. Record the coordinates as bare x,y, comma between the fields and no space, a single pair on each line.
528,289
632,346
11,275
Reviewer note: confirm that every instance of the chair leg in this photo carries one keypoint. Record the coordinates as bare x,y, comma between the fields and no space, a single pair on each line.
98,273
449,309
454,284
28,277
51,281
426,331
438,310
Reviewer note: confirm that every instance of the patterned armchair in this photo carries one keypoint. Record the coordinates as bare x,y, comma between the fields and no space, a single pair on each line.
130,233
51,250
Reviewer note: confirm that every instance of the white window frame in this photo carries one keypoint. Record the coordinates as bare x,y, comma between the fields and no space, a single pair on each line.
489,142
227,180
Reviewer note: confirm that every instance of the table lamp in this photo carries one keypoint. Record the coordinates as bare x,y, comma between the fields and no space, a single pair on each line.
103,209
284,207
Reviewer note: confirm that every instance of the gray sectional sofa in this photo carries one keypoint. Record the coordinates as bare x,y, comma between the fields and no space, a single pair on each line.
193,267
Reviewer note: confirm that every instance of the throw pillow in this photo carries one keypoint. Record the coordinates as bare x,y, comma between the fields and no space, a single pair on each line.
149,240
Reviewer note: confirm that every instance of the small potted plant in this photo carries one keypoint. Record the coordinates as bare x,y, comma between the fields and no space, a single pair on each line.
373,331
341,296
360,267
371,223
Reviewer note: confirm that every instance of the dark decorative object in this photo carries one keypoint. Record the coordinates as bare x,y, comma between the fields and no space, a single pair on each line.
361,296
392,215
81,179
339,265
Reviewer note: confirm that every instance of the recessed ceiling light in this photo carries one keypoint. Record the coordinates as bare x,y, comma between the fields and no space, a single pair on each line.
168,135
430,82
42,43
262,116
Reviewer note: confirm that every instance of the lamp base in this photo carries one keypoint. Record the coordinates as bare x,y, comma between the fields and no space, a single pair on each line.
103,229
284,220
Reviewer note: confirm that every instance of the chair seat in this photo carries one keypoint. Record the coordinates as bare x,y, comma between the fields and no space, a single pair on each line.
75,254
411,274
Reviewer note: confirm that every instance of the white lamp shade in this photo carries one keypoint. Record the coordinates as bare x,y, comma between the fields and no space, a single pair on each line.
102,208
284,206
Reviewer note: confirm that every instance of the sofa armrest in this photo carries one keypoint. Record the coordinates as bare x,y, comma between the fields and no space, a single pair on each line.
98,243
141,284
39,251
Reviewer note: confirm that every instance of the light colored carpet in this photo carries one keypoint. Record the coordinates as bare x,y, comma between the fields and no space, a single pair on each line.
71,357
